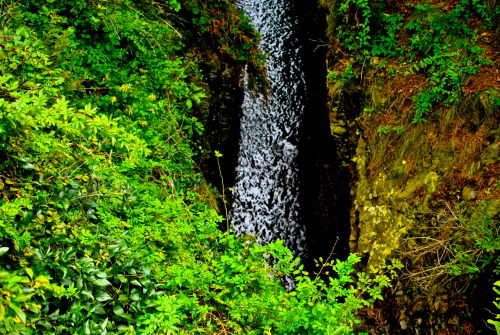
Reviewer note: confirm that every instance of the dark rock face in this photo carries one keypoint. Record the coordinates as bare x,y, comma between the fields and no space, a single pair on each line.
325,179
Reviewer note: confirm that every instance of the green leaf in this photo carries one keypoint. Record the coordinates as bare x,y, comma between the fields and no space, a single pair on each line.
135,282
135,297
122,278
102,296
3,250
118,310
88,294
99,282
23,297
103,326
101,274
66,203
18,311
27,166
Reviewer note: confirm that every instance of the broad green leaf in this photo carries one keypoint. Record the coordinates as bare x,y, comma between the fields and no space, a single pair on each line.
101,274
122,278
86,330
118,310
99,281
87,293
66,203
135,282
23,297
103,325
102,296
18,311
29,271
28,166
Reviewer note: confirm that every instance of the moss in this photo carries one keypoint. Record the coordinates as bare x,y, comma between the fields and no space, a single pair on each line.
381,232
387,208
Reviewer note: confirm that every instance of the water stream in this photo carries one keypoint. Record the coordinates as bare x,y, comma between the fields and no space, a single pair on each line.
266,190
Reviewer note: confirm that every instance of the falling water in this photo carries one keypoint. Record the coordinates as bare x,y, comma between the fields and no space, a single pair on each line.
266,189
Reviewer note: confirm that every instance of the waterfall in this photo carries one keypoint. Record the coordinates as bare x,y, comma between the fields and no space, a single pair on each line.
267,183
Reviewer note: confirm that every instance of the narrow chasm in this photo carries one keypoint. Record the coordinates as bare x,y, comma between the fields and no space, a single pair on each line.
324,179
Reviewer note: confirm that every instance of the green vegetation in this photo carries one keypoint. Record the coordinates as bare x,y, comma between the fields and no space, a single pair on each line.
106,225
438,42
496,322
481,228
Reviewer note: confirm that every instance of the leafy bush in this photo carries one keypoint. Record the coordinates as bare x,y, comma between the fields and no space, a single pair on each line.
449,54
437,42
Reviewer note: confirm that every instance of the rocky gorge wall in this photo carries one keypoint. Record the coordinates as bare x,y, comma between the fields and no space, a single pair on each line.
422,216
426,187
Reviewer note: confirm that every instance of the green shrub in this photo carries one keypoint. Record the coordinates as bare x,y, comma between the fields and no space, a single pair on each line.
436,42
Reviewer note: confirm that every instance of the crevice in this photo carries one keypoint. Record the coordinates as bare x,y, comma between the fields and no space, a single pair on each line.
324,187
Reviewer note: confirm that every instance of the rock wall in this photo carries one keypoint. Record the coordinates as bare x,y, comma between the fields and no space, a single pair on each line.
410,214
426,193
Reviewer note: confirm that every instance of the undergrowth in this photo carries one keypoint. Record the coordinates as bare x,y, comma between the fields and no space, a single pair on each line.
438,41
455,249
